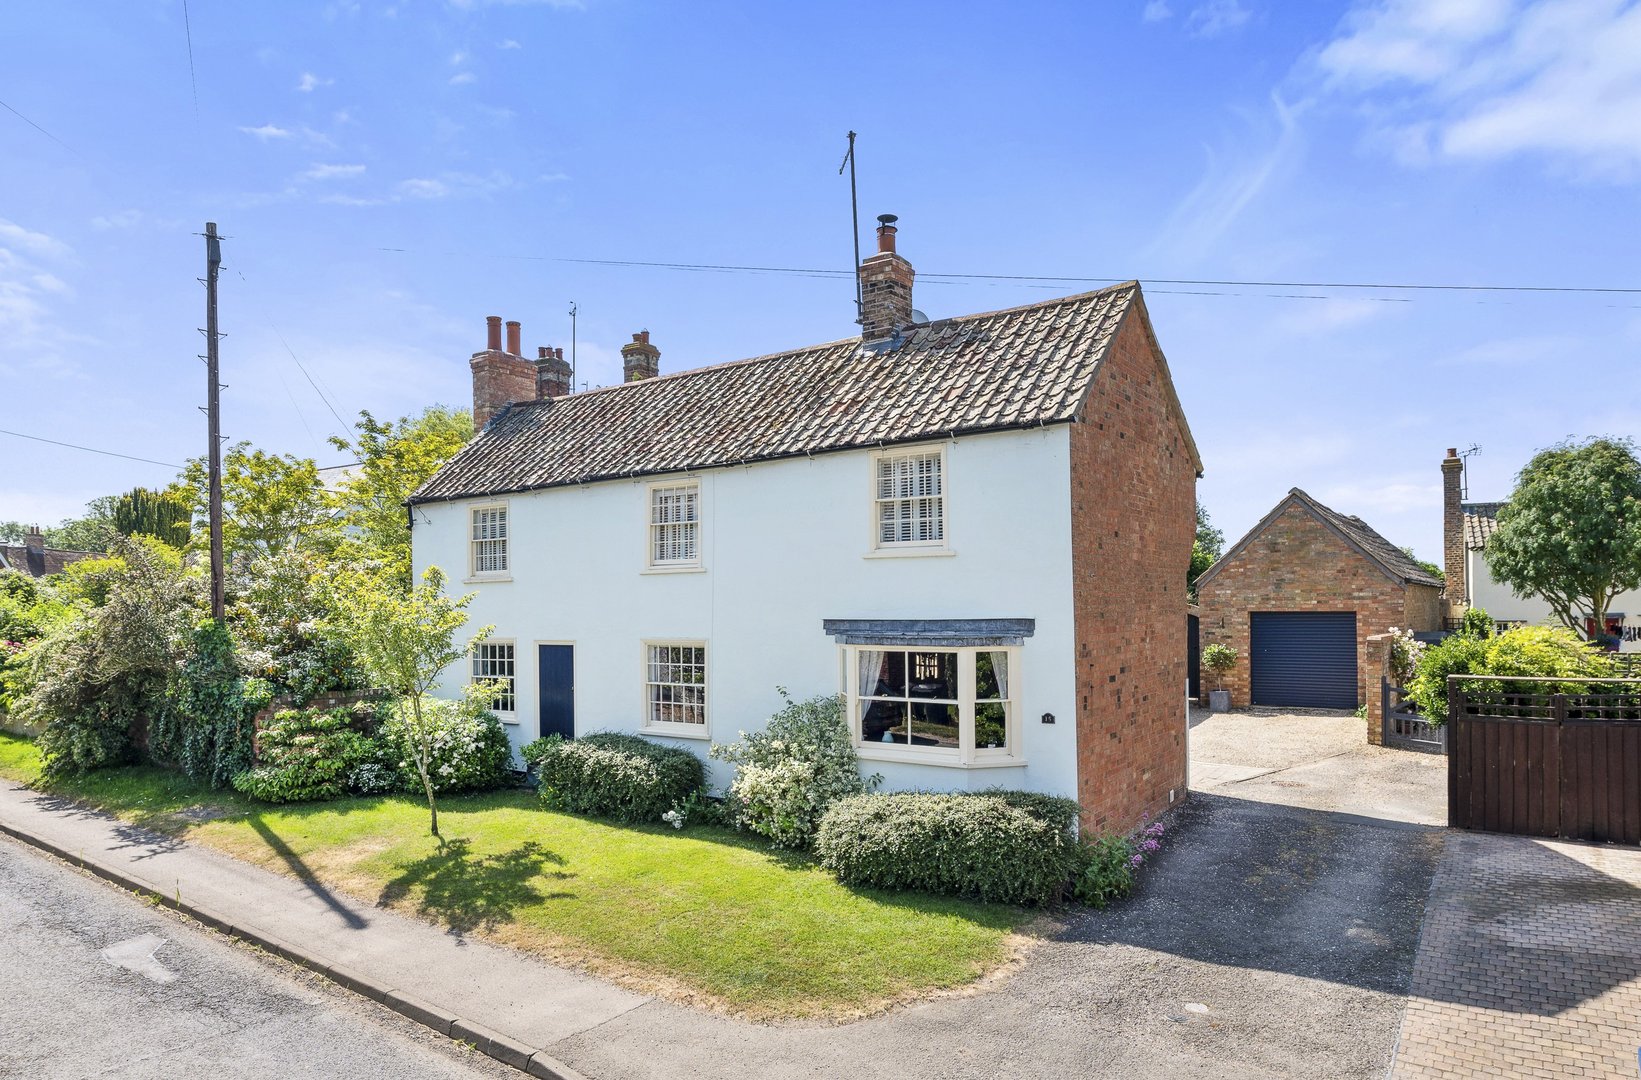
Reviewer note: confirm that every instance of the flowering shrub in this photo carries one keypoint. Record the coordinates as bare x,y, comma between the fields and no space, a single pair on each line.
373,778
469,747
306,756
1008,847
1405,651
1527,651
625,777
789,773
1110,863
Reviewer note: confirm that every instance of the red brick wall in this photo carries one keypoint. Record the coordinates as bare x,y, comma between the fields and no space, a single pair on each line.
1423,610
1133,499
499,379
1297,564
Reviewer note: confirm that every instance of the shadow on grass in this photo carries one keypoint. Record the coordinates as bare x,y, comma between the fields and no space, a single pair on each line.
299,868
468,892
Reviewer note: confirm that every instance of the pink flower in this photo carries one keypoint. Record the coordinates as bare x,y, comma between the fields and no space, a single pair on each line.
1137,861
1150,845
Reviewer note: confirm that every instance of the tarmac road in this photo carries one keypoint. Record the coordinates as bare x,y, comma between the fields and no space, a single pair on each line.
96,982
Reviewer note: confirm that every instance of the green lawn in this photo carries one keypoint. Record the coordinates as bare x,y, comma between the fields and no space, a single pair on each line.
703,914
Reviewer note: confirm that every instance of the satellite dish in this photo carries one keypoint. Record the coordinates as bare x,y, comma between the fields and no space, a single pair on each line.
918,318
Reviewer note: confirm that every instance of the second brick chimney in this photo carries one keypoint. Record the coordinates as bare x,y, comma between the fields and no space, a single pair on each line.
640,359
1453,532
885,287
552,373
500,377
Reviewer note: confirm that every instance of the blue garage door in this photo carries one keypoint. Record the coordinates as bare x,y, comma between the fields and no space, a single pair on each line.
1304,658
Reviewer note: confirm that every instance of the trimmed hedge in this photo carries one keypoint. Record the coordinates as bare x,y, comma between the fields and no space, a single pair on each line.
307,755
1011,847
624,777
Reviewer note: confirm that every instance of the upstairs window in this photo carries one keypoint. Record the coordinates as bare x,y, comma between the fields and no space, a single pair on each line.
910,500
490,540
675,525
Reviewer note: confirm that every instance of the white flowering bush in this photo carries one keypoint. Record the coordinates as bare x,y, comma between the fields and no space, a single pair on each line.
789,773
1405,652
469,747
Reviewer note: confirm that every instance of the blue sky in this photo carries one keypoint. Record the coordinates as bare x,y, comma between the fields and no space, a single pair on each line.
390,173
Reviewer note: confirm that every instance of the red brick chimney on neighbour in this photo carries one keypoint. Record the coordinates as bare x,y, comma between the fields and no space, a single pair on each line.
640,359
1453,532
885,287
34,541
500,377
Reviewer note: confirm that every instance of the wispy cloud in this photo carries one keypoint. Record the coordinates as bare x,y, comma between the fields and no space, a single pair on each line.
31,339
311,82
1216,17
462,78
453,185
1494,79
1519,351
469,5
267,132
1234,177
1156,11
510,43
131,219
333,172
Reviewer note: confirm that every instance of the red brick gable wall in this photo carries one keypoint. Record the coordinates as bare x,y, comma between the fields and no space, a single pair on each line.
1133,518
1296,563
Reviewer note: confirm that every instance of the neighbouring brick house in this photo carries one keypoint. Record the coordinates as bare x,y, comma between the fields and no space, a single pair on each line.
33,558
1299,596
975,530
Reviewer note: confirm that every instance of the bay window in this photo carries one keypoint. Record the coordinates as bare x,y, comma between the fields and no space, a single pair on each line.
934,701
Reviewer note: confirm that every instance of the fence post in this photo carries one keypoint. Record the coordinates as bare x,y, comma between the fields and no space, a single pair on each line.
1559,703
1455,754
1384,709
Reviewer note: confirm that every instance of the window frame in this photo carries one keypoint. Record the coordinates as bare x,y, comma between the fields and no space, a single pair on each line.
678,566
966,754
506,716
675,729
880,548
473,542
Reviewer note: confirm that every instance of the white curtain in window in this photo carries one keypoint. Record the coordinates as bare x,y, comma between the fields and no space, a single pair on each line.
870,663
1000,668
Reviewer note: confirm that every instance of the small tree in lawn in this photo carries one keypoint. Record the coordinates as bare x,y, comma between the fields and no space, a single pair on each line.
403,641
1218,659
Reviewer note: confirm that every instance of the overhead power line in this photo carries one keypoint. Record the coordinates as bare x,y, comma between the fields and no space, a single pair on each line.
1048,278
38,128
188,34
89,449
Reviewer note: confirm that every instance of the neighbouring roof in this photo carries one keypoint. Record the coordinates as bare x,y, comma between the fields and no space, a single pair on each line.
40,564
1392,560
1023,367
1481,521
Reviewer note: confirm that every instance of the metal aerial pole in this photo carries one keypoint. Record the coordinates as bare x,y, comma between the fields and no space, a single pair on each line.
213,414
854,211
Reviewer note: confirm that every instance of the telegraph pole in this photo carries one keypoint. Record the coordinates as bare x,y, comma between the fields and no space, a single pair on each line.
213,413
573,309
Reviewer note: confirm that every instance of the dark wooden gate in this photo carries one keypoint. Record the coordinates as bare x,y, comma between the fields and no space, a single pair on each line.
1545,764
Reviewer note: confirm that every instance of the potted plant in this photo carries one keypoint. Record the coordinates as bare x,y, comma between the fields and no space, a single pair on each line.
1219,659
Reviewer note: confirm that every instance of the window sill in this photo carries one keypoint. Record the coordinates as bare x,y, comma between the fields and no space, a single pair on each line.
910,553
693,569
510,719
679,731
481,579
913,757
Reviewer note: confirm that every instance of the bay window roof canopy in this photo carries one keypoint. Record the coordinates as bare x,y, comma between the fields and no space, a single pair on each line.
955,633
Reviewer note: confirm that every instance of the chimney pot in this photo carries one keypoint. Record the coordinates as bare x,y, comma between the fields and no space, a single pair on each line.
1452,451
543,352
492,325
514,334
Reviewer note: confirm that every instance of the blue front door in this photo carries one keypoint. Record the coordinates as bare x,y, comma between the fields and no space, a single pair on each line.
556,689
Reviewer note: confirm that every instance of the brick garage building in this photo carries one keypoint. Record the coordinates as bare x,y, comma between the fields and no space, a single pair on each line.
1299,596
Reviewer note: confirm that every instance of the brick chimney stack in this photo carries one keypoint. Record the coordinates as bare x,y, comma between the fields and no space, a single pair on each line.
500,377
35,540
885,287
640,359
1457,595
552,373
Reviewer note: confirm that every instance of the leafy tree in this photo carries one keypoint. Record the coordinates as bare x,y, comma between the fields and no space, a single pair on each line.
93,532
1428,567
1571,532
1204,550
270,503
404,639
161,514
208,728
395,458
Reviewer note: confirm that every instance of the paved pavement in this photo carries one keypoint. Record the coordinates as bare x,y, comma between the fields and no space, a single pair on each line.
97,983
1530,964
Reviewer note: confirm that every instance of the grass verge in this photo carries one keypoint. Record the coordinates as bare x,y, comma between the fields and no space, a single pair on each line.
705,915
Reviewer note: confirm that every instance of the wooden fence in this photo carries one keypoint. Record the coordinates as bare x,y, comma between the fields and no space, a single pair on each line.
1545,757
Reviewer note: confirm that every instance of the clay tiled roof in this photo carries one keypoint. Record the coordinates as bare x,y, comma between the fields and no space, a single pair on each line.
1023,367
1481,521
40,564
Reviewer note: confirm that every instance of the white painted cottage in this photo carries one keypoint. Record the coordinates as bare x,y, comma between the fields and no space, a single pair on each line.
976,529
